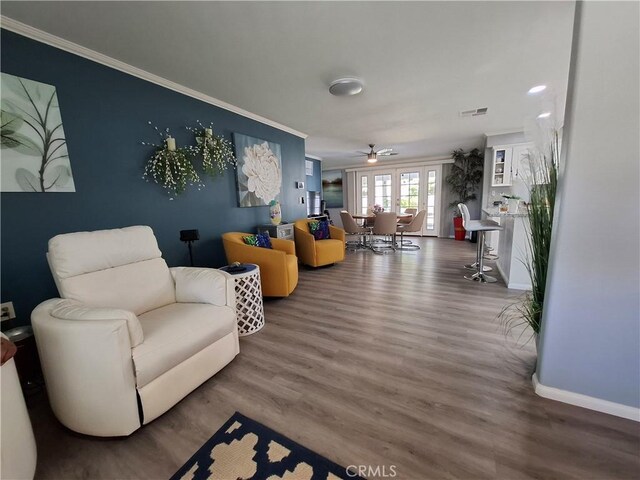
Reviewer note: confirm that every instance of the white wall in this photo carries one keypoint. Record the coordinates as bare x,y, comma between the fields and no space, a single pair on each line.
590,340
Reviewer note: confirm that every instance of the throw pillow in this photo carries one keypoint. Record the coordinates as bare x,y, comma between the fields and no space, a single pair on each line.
262,240
320,229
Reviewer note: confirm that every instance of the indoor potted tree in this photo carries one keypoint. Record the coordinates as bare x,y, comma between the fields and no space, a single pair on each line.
464,178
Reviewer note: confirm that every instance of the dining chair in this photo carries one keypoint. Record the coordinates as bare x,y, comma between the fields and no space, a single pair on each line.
369,222
351,227
407,220
414,226
385,225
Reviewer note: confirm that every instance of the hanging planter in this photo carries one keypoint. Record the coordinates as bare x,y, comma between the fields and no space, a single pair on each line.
171,167
215,151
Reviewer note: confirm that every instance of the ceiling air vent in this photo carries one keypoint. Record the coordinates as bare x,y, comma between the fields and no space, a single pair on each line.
475,112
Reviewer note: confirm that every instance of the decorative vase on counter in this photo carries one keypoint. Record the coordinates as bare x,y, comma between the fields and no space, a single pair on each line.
513,205
275,212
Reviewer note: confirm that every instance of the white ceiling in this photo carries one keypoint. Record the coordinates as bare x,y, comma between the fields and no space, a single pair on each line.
422,62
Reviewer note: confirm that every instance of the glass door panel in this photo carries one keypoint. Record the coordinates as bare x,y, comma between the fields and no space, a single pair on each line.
364,194
431,200
409,190
432,204
383,191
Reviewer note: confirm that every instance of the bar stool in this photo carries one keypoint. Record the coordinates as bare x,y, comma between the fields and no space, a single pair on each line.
479,226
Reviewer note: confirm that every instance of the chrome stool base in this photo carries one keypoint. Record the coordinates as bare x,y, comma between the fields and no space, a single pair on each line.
481,278
474,267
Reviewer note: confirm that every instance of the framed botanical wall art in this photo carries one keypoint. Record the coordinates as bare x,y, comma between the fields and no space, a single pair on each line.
34,147
259,171
332,188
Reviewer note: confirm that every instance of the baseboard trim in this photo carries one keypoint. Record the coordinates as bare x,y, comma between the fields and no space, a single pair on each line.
585,401
68,46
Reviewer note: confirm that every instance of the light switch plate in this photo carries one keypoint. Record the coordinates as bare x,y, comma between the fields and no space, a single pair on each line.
8,312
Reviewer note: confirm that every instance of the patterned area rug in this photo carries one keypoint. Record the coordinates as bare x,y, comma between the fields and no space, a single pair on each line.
244,449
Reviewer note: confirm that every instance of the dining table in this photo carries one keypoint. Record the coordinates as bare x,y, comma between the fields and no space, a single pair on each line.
372,216
369,219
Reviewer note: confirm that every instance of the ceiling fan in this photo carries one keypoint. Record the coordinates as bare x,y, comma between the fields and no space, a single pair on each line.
372,156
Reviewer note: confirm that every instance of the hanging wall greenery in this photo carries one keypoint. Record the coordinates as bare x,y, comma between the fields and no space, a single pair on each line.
171,167
215,151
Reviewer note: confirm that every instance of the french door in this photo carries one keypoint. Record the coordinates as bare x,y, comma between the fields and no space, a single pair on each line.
376,189
401,188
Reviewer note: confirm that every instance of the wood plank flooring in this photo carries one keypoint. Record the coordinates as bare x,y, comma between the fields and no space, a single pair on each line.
380,360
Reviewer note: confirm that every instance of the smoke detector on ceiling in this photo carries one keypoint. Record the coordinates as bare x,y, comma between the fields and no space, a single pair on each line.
475,112
346,86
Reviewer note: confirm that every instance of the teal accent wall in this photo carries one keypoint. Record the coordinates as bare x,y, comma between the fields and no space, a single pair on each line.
314,182
106,114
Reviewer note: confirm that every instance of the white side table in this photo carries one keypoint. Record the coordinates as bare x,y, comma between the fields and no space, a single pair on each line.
249,309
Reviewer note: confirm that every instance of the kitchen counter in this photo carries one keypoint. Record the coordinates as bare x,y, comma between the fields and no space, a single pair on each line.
495,212
511,244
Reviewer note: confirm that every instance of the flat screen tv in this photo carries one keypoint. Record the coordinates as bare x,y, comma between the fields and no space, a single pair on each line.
313,204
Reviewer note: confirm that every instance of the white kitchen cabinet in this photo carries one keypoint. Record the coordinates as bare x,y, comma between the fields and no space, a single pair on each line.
501,171
521,171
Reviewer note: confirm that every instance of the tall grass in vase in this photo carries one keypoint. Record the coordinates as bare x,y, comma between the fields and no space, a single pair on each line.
542,183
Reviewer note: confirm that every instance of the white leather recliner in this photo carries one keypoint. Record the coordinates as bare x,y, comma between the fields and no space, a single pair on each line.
130,337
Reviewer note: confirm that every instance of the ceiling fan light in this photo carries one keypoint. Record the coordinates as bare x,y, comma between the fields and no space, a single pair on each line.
536,89
372,158
346,86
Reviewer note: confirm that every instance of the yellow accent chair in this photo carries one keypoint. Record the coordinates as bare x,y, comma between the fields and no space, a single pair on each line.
278,266
321,252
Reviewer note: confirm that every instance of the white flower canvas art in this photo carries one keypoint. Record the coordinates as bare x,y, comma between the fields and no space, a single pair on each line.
34,147
259,171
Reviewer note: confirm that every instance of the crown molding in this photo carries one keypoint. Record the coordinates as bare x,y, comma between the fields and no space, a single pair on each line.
415,162
504,132
408,162
57,42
